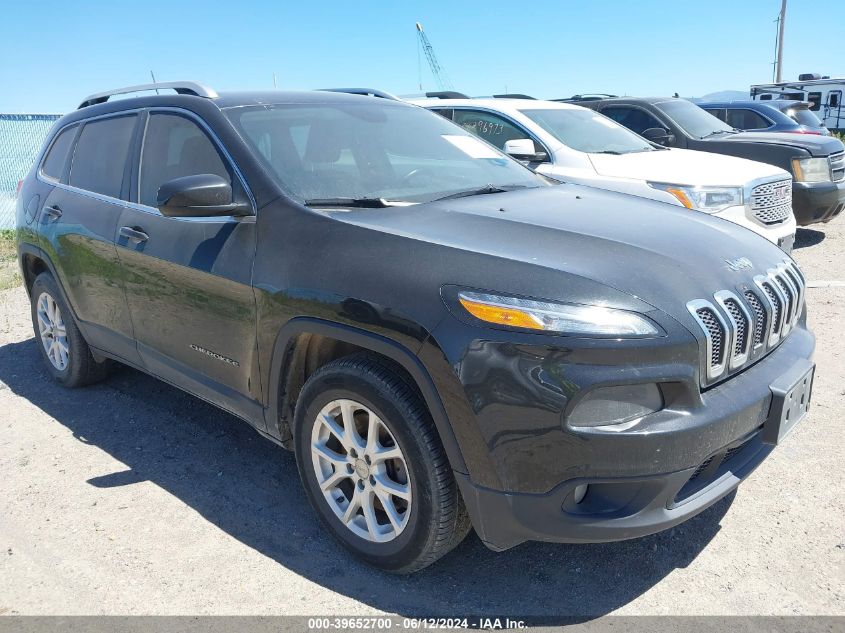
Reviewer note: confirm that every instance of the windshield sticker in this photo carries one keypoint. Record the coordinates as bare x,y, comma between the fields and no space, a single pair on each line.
471,146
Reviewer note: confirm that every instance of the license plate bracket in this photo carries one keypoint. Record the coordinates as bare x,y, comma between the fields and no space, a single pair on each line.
790,402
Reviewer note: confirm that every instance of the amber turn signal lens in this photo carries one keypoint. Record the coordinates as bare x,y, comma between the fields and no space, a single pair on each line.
500,315
682,197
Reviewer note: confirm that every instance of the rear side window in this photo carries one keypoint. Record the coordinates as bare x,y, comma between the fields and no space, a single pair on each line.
175,146
746,120
815,99
100,156
54,162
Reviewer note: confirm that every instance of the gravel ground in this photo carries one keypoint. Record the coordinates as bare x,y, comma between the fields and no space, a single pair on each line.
133,498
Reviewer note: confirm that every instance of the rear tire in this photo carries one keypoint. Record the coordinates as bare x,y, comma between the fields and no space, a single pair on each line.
373,466
61,345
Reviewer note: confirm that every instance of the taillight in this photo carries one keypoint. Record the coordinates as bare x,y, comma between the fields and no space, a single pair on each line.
20,184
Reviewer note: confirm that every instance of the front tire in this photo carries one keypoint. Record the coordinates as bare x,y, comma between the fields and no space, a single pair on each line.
373,466
60,343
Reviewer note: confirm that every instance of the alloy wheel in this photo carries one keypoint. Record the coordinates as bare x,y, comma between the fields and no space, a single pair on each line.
361,471
51,328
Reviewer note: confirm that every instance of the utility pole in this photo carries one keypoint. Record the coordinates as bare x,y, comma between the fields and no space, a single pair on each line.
779,57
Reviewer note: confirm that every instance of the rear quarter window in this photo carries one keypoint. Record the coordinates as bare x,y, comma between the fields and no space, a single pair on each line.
99,159
53,166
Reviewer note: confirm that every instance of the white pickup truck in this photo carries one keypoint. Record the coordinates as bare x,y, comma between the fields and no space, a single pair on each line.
574,144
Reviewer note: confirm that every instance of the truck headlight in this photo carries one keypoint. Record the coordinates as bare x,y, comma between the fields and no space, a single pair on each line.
707,199
583,320
811,169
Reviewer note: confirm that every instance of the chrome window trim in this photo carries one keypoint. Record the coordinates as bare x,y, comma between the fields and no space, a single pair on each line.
711,371
721,298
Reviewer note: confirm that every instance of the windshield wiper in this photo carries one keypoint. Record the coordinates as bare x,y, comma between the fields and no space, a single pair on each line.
610,151
480,191
359,203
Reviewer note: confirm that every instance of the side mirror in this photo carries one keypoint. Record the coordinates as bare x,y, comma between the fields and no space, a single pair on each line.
658,135
524,149
203,195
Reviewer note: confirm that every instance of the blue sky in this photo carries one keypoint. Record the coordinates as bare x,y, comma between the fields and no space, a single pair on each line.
56,52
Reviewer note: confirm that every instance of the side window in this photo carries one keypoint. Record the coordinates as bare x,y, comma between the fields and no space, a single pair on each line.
815,99
834,98
743,119
490,127
99,159
175,146
634,119
53,166
719,113
765,97
446,113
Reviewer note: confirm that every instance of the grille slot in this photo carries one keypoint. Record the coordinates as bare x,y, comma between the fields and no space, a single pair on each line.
741,326
837,166
790,299
759,317
717,334
771,202
776,306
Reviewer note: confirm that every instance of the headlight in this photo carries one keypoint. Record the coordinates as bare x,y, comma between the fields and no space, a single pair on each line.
707,199
811,169
556,317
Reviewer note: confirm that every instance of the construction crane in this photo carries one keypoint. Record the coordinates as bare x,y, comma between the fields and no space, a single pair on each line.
440,76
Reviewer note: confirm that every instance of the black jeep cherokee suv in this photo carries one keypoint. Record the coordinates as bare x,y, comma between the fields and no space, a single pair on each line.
443,339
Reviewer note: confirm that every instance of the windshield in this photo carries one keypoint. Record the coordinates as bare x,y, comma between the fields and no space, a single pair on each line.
588,131
372,150
803,116
692,119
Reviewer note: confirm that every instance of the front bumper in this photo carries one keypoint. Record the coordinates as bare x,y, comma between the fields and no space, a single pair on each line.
781,233
817,201
642,480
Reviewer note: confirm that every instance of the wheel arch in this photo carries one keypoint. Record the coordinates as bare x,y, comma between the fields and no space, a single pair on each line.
293,351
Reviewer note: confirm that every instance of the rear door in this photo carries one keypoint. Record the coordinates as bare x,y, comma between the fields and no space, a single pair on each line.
188,280
87,164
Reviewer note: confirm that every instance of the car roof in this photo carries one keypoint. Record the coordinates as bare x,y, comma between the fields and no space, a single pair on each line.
780,104
496,104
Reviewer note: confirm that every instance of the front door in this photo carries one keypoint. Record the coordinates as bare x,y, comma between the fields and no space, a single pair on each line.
188,280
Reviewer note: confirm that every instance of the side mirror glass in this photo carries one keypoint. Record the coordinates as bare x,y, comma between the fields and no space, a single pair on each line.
658,135
202,195
524,149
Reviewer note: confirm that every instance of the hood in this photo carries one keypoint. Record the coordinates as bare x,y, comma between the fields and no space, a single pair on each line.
546,242
817,145
684,167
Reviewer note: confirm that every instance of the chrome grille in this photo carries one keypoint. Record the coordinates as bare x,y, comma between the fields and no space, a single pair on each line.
759,317
837,166
771,202
736,327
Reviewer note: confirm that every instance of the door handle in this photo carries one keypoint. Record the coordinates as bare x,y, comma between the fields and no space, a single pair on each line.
53,213
134,234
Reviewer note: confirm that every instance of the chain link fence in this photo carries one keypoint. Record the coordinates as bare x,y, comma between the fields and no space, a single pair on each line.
21,136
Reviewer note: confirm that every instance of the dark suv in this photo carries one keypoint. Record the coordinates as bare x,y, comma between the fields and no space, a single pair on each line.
442,337
817,163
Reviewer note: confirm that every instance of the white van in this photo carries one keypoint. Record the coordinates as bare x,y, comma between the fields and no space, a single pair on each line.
574,144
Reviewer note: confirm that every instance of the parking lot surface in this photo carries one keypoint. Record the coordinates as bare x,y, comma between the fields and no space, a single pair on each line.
131,497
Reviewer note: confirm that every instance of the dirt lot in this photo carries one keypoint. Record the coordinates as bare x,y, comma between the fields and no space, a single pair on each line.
131,497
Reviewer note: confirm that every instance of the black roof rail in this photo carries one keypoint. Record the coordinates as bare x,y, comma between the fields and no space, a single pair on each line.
514,95
367,92
181,87
598,96
446,94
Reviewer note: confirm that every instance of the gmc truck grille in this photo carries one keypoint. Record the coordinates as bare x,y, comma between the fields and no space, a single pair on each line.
735,326
837,166
772,202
